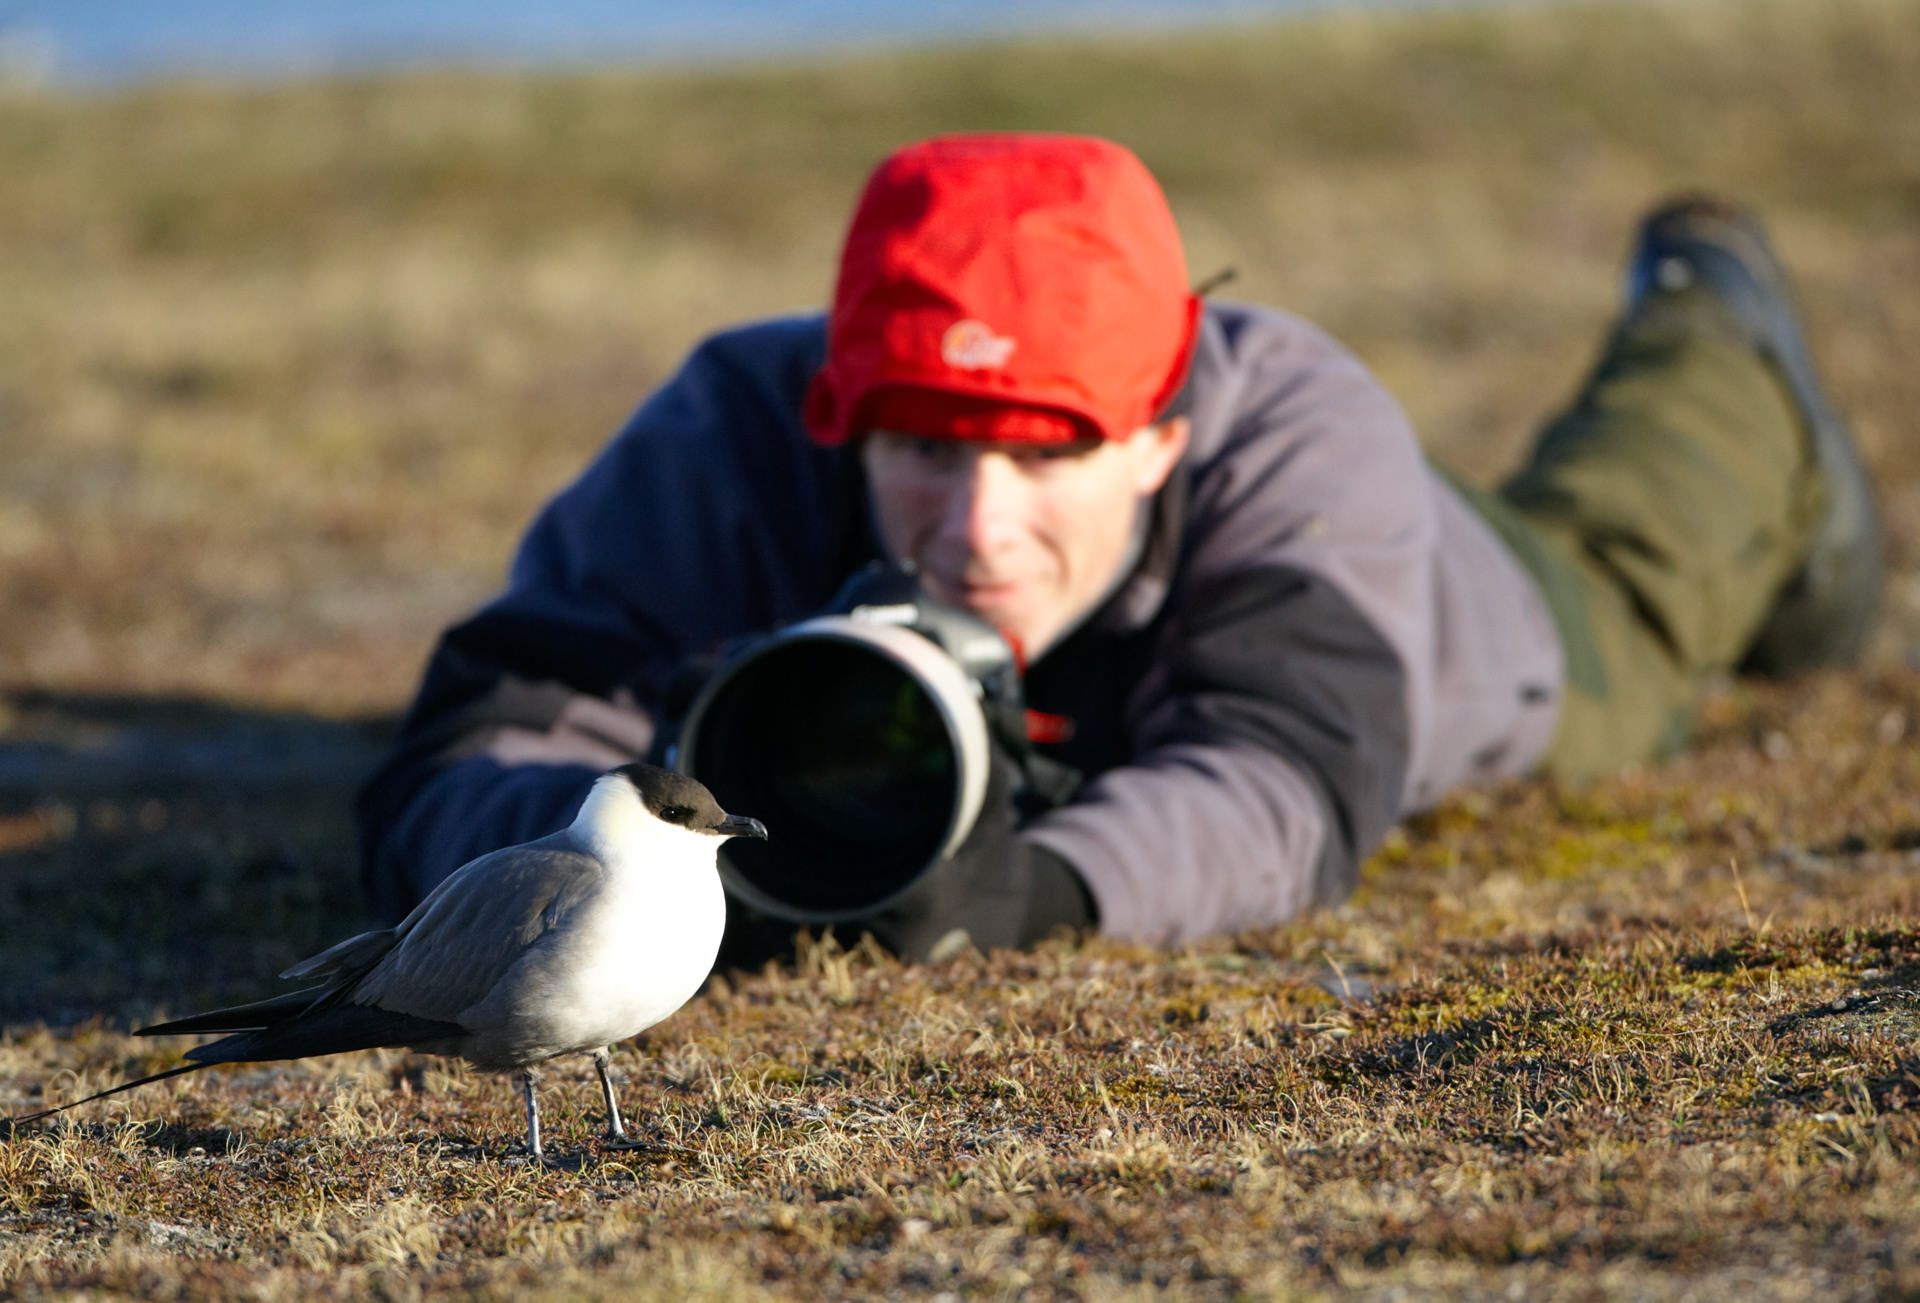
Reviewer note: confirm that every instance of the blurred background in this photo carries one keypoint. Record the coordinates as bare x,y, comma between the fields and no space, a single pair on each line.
308,307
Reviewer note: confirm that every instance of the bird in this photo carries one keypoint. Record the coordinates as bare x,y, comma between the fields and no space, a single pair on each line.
558,946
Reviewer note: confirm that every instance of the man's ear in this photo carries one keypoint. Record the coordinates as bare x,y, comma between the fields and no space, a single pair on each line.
1156,450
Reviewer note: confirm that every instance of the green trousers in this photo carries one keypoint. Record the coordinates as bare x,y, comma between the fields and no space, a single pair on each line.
1659,514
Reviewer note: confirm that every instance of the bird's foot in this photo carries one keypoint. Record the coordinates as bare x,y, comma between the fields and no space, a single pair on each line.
617,1137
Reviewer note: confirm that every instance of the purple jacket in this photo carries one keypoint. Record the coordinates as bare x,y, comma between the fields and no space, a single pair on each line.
1319,636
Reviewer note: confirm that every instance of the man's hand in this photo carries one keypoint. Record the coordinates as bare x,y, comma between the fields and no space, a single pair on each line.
996,889
589,731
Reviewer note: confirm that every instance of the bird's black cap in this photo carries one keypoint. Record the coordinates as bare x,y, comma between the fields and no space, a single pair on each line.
675,798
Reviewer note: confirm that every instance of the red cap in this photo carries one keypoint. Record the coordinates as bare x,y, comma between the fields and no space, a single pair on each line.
1015,286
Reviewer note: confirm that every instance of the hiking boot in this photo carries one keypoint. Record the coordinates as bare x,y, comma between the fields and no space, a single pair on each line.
1823,614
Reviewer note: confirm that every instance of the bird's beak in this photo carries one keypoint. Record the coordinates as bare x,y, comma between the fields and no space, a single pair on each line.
738,825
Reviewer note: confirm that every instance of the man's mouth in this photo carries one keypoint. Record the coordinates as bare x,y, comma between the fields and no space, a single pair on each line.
986,592
975,591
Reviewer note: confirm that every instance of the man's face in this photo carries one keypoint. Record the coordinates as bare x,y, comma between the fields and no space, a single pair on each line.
1028,538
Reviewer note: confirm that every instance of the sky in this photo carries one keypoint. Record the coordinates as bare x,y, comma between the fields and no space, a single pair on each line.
119,40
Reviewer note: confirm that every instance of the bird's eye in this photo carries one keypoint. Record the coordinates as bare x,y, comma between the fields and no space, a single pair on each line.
676,814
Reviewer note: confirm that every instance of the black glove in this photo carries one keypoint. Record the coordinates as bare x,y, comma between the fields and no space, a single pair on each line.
998,888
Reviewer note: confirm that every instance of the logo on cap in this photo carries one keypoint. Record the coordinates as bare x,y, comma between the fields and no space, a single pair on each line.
971,345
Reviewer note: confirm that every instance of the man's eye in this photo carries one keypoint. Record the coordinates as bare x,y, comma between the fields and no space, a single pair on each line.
1050,454
939,453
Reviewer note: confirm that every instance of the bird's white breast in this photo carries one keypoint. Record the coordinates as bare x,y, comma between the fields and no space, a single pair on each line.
647,951
621,959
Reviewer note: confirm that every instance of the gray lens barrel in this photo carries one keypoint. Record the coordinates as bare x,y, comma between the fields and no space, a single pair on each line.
767,732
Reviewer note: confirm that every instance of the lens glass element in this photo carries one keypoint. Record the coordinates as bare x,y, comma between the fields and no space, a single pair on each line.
846,758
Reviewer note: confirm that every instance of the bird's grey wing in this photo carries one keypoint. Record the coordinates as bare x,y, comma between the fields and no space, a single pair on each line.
345,961
346,956
348,959
465,938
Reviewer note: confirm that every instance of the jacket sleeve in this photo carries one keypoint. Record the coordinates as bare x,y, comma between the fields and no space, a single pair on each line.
1271,738
709,515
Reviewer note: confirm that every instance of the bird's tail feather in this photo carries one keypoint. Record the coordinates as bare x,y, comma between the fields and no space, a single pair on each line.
330,1031
336,1030
241,1017
11,1123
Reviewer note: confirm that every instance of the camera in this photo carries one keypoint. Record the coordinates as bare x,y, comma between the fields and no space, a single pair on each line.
864,739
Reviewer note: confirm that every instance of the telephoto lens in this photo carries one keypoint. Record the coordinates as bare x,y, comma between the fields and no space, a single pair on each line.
859,742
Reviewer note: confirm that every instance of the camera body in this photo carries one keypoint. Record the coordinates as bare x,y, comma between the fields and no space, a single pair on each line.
862,737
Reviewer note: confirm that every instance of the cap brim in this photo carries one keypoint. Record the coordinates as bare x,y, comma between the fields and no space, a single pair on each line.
945,414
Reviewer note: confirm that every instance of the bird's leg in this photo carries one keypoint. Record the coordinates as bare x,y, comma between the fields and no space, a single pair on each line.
616,1130
533,1117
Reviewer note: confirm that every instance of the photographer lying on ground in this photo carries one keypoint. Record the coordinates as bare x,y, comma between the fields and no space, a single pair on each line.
1250,612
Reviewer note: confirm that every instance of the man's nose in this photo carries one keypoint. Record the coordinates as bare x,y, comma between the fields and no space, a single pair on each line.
985,504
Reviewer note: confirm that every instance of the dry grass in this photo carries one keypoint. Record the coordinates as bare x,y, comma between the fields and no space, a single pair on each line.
282,373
